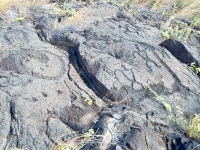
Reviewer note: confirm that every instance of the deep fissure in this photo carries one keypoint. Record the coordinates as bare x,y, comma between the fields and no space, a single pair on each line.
89,79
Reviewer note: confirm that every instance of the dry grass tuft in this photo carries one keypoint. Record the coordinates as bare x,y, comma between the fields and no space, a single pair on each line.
85,16
79,141
185,8
190,124
189,8
36,3
7,4
193,126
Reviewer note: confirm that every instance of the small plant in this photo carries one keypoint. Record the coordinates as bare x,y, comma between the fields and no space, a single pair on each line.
172,11
178,5
167,13
155,4
64,5
165,34
64,8
194,68
88,134
72,12
136,11
179,30
188,32
125,4
88,100
197,35
196,21
20,19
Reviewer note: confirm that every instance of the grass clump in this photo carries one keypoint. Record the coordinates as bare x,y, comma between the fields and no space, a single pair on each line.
188,9
19,19
178,30
194,68
155,4
181,30
63,8
79,141
191,124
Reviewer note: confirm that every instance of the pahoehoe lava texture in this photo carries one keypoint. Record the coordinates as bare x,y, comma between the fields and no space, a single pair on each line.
47,76
35,63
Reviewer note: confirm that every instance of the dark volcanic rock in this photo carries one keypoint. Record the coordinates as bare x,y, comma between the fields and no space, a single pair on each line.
126,128
38,88
108,57
185,54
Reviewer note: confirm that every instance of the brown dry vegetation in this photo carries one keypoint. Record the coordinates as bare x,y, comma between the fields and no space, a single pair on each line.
186,8
7,4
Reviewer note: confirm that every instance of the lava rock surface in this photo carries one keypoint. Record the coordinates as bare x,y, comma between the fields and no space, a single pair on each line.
108,56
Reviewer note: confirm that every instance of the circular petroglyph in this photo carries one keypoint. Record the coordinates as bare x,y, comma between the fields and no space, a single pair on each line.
19,40
41,64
